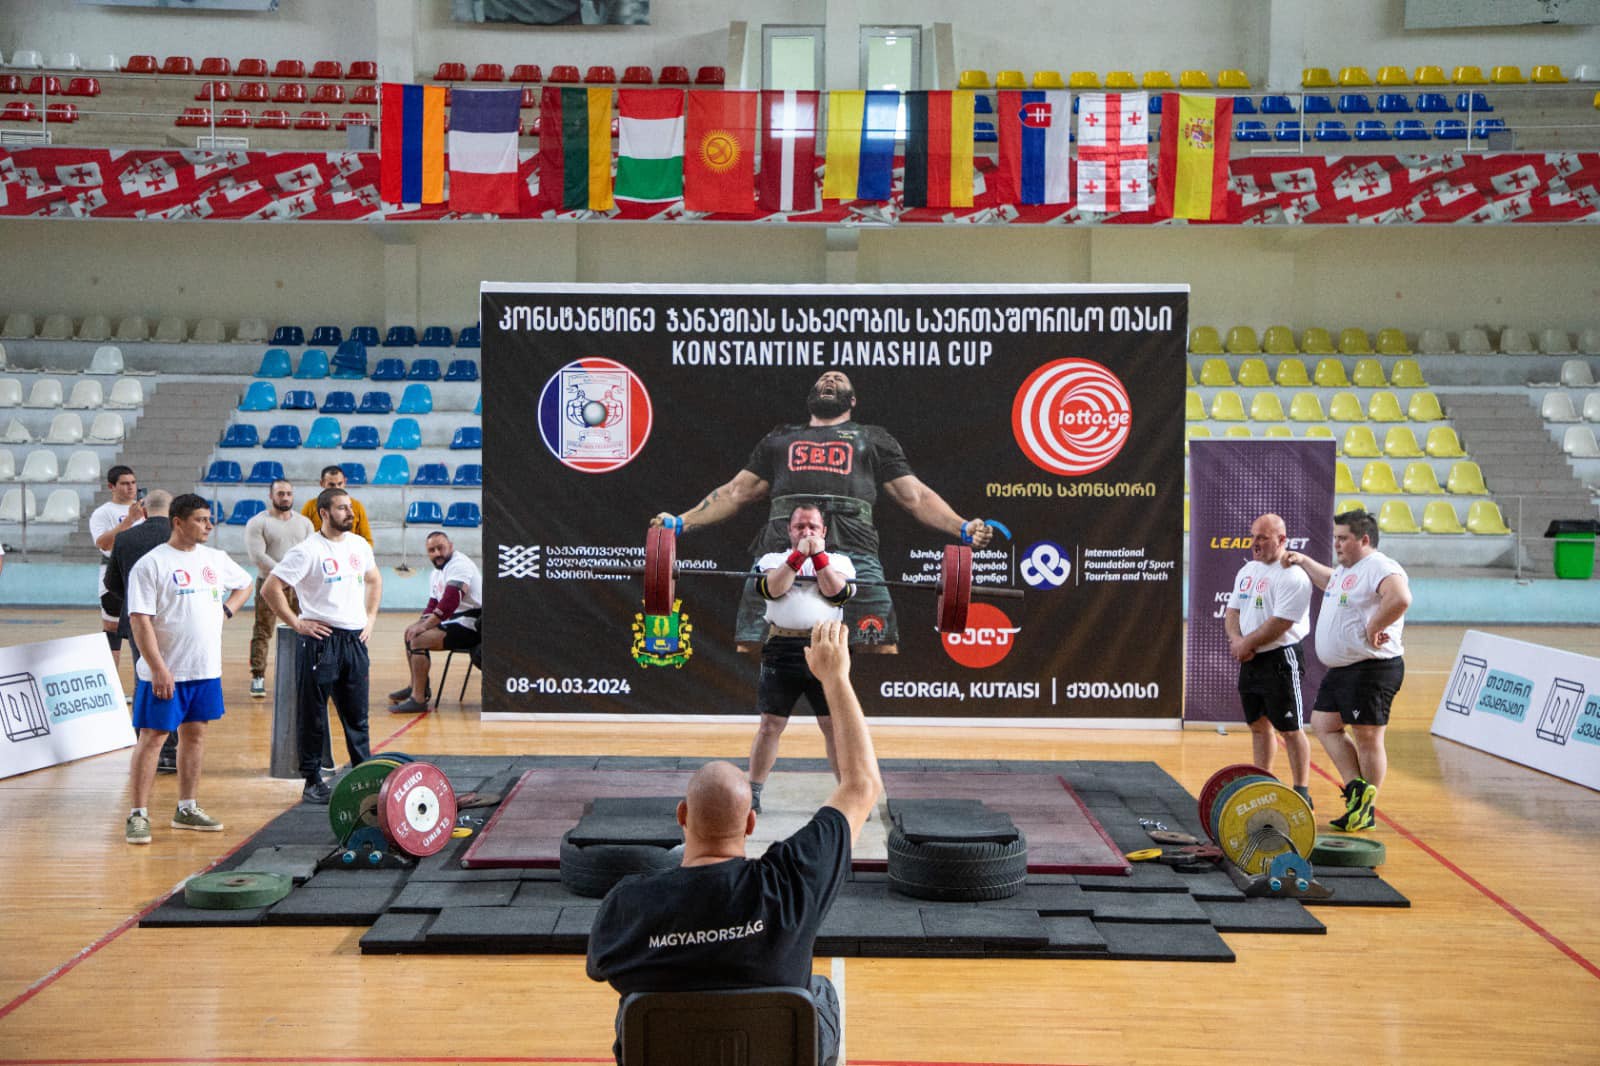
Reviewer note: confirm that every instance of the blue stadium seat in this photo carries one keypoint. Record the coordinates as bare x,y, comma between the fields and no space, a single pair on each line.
265,472
1155,106
424,513
354,473
477,408
330,336
274,364
1474,102
467,438
282,437
1410,129
339,402
260,396
438,337
392,470
367,335
289,336
424,370
300,400
350,361
1394,103
1250,130
469,475
245,510
984,133
981,105
461,370
1481,128
404,435
325,433
1244,105
1277,105
1449,129
223,472
239,435
431,474
389,370
364,438
463,514
416,400
400,337
1328,130
1355,104
375,403
471,336
1287,130
1316,104
313,365
1371,129
1433,103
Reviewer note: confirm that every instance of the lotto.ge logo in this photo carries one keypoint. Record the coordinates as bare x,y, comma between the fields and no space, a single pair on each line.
988,638
1045,566
1071,417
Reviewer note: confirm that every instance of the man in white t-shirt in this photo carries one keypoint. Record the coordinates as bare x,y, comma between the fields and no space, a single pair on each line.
449,622
122,512
179,595
336,580
794,607
1359,630
1268,616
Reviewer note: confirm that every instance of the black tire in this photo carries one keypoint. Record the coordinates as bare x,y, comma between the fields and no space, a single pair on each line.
593,870
952,872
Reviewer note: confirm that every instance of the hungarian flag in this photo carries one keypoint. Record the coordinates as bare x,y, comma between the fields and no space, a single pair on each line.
1036,146
860,152
1114,152
483,150
1192,168
788,150
650,144
719,159
575,149
938,149
411,144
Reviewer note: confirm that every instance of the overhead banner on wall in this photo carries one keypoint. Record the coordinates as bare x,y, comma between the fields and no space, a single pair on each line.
60,700
1051,411
1534,705
1232,482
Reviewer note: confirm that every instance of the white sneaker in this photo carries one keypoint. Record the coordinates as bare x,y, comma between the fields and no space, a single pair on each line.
258,688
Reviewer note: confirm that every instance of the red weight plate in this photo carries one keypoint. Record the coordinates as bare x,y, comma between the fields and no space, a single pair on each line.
660,570
1217,782
417,808
955,588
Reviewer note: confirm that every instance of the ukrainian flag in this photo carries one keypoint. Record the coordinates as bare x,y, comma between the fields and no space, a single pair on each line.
860,153
411,145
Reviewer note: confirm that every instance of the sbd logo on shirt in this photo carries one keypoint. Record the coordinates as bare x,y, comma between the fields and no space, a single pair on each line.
826,457
1071,417
988,638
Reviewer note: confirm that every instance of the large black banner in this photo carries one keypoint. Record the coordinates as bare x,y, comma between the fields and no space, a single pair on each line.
1054,413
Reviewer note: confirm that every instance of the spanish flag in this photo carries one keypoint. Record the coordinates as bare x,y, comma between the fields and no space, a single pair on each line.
411,144
575,149
938,149
1192,175
860,152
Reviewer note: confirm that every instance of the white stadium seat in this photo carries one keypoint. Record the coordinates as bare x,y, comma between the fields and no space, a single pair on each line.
1591,407
126,393
86,393
65,428
40,465
107,360
82,465
1575,374
107,428
1555,342
1557,407
1579,443
8,465
94,328
46,392
62,506
14,502
16,433
10,392
27,59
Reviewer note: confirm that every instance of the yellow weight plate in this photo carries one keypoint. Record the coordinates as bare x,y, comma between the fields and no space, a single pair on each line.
1143,855
1247,815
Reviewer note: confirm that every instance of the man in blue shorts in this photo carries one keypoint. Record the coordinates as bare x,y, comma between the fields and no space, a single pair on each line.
179,596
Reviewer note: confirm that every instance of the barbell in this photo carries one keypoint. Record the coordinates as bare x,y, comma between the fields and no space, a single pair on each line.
954,586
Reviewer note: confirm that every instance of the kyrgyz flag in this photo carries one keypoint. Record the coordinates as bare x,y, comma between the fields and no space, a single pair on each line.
719,159
788,150
938,149
650,144
411,144
860,152
575,149
1192,172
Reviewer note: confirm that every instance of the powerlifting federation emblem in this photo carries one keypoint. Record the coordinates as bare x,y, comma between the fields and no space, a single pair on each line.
594,415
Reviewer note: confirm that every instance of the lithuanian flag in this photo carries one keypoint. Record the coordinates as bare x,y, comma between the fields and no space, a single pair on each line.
939,149
1192,174
575,149
860,152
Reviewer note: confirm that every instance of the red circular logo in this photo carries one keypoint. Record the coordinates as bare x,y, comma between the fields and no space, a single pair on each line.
988,638
1349,582
210,575
355,561
1071,417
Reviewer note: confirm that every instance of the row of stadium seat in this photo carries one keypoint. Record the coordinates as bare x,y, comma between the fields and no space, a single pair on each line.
1430,74
1358,441
1267,406
325,432
1472,103
67,428
87,394
416,400
391,470
21,325
396,337
463,514
62,506
1438,516
567,74
1329,374
1406,129
239,118
1418,479
1280,340
1558,406
314,365
42,465
1578,442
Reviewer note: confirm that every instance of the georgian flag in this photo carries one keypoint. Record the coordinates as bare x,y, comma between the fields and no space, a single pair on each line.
1114,152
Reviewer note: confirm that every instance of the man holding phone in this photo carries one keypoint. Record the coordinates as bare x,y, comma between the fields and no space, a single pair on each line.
121,513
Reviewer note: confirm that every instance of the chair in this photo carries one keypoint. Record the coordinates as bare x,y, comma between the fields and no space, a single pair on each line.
361,70
354,473
16,433
1475,102
367,335
223,472
424,370
361,438
350,360
327,336
1343,483
46,392
1204,340
1250,130
400,337
19,111
1450,129
1465,479
1291,373
1330,374
1345,407
1384,407
404,435
1443,443
1279,340
243,435
389,370
1355,104
314,120
461,370
251,331
1424,407
1507,74
273,119
19,324
182,66
1400,443
1406,374
463,514
214,91
39,466
289,336
1193,432
1395,517
1242,105
416,400
525,73
469,337
1188,376
260,396
1359,443
1547,74
1516,342
1433,342
1368,374
251,68
62,507
1287,130
1317,341
470,438
94,328
1557,407
325,432
1419,480
1194,408
252,92
431,474
490,72
722,1026
290,94
83,466
376,402
265,472
1253,373
1047,79
1433,104
1484,519
1266,407
107,428
327,69
1278,104
1305,407
392,470
1579,442
468,475
289,68
1354,341
313,365
86,394
56,328
437,337
424,513
1410,129
10,392
1121,79
126,393
282,436
1242,341
299,400
1214,373
17,502
1332,130
1439,516
1575,374
1475,342
1484,128
171,330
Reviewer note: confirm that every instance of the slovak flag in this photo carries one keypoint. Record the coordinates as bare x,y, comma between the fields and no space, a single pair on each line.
1036,146
1114,151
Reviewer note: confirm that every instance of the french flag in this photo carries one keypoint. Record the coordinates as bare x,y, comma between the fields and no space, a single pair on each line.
483,150
1036,145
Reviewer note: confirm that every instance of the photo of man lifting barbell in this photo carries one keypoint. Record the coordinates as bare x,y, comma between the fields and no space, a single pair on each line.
836,464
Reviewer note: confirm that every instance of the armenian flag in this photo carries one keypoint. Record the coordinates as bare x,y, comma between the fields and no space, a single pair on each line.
411,144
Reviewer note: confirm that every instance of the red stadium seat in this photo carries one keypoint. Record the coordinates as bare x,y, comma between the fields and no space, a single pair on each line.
355,118
82,87
530,97
19,111
50,85
327,70
637,76
526,72
272,119
213,90
141,65
290,93
532,128
252,68
254,92
361,70
10,83
328,94
600,75
365,94
565,74
179,65
215,67
61,113
451,72
234,118
194,116
313,120
674,76
489,72
289,68
710,76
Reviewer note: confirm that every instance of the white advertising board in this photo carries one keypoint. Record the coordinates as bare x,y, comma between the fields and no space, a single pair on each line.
60,700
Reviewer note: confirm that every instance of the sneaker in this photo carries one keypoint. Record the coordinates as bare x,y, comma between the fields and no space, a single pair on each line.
258,688
410,706
1364,814
1358,797
316,793
196,819
1304,792
400,694
137,829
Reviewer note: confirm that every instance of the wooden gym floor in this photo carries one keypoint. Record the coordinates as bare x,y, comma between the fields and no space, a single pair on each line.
1498,958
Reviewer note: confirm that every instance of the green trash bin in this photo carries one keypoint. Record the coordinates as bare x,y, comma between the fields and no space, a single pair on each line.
1574,547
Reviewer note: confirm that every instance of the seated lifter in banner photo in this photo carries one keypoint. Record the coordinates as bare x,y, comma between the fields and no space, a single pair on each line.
836,464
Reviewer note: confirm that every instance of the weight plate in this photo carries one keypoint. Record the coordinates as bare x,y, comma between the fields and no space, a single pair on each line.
417,809
1228,790
397,756
1331,850
660,570
1143,855
955,588
355,798
235,890
1258,819
1214,784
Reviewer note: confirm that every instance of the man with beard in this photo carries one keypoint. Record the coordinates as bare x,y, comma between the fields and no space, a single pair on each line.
268,537
339,588
333,478
449,622
836,464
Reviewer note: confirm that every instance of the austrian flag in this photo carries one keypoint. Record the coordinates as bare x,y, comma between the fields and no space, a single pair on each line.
1114,152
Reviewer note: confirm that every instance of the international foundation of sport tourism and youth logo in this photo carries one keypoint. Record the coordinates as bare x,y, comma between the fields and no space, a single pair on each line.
1071,417
594,415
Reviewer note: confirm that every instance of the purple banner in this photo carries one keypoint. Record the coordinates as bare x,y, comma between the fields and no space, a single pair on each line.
1232,482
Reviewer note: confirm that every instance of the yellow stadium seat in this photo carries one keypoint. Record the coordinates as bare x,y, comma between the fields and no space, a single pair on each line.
1305,407
1192,432
1233,79
1385,407
1359,443
1345,407
1157,79
1227,407
1507,74
1330,374
1204,340
1467,75
1194,79
1395,517
1367,374
1401,443
1194,408
1316,78
1354,341
1186,514
1430,75
1121,79
1548,74
1444,444
1419,480
1048,79
1237,431
1348,504
1466,479
1253,374
1266,407
1393,76
973,79
1440,517
1278,431
1242,341
1393,342
1354,77
1010,79
1597,100
1278,340
1424,407
1342,481
1214,374
1317,341
1291,373
1406,374
1483,518
1320,433
1190,371
1083,79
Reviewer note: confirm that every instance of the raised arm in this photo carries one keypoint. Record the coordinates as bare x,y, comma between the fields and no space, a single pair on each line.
929,508
720,503
859,783
1318,573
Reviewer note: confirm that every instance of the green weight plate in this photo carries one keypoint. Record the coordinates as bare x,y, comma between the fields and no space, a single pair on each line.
1258,819
355,798
1217,782
235,890
1333,850
1221,796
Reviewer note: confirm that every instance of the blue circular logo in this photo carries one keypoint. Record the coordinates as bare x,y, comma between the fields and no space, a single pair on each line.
1045,565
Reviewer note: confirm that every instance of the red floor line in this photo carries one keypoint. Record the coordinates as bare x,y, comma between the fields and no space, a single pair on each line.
360,1061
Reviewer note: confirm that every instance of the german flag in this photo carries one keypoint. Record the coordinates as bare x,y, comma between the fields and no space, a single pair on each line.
411,144
1192,171
938,149
575,149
